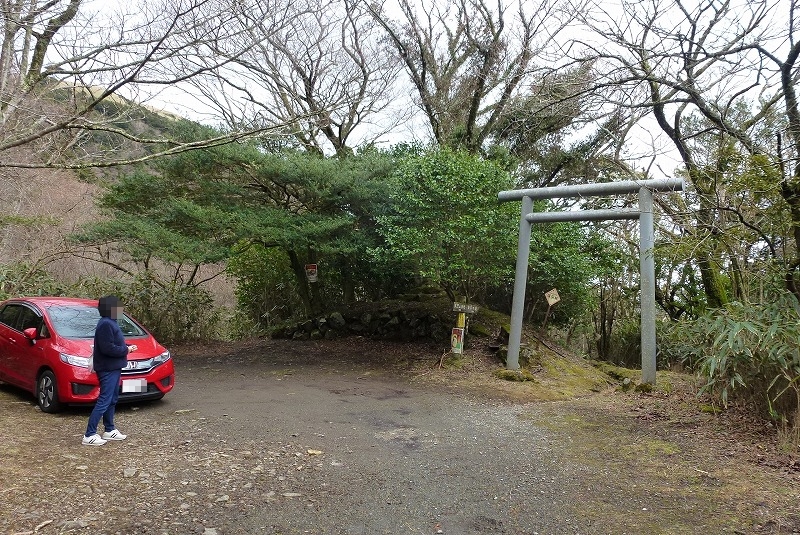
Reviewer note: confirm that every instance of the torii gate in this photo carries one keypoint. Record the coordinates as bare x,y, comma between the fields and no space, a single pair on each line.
646,239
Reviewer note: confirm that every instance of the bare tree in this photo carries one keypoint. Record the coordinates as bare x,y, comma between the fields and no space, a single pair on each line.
467,58
324,77
60,67
788,146
693,66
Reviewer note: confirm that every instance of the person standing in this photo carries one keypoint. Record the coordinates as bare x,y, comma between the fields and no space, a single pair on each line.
110,357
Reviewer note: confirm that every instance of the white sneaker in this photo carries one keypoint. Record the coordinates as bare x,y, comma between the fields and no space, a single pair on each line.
93,440
114,434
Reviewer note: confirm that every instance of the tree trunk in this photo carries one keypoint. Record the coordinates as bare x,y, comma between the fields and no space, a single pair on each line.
43,40
348,287
309,292
705,257
790,187
706,254
604,322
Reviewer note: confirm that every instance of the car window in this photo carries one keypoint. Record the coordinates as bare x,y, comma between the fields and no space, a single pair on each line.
9,314
79,321
21,317
129,327
28,318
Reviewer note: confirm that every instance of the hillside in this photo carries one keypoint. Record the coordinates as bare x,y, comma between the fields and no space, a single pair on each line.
41,207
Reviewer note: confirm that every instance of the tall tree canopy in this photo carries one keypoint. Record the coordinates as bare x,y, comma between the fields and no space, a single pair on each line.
315,209
443,219
467,59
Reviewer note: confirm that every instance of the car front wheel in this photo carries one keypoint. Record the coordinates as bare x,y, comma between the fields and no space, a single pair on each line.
47,393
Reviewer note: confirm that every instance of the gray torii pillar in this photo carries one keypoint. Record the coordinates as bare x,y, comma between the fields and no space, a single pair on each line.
645,188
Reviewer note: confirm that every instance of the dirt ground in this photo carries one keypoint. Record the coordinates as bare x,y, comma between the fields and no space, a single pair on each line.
361,437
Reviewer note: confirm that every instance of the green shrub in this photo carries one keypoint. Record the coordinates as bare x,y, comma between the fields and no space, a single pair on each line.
625,347
265,287
753,350
678,344
21,279
173,312
240,326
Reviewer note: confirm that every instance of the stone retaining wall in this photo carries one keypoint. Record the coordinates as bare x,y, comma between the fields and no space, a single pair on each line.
406,323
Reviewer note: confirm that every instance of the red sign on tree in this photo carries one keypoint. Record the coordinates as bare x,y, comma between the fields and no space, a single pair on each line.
311,272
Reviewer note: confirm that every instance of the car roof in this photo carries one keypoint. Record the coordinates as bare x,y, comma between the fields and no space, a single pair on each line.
50,301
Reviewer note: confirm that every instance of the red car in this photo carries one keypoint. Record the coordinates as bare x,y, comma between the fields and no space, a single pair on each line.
46,343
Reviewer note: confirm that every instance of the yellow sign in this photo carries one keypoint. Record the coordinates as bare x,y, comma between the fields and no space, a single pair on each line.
552,297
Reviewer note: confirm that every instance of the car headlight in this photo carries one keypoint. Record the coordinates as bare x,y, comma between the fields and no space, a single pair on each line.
162,358
75,360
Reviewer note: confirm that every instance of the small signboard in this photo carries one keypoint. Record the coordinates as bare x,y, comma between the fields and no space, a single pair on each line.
552,297
311,272
463,307
457,341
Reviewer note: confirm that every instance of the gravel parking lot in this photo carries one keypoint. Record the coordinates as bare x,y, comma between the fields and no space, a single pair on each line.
285,438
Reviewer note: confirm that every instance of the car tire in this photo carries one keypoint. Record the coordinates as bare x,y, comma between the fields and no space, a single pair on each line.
47,393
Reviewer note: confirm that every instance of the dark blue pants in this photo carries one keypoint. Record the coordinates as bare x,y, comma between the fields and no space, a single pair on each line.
106,402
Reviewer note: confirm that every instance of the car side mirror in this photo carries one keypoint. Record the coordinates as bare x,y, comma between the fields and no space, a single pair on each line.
31,333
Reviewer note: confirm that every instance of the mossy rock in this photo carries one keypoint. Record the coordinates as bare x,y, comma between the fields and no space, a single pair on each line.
330,334
528,357
281,332
453,360
521,375
336,320
476,329
502,354
615,372
709,409
505,333
430,289
626,385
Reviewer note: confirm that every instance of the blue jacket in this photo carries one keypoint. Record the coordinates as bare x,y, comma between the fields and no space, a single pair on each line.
110,351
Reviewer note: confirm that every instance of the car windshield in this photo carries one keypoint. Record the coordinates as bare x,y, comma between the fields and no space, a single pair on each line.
79,321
